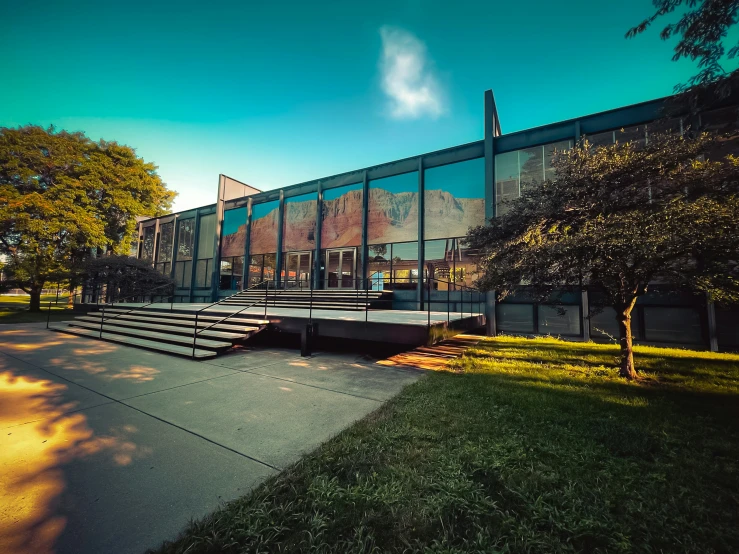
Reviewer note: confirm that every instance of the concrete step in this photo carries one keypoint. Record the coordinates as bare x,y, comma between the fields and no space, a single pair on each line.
208,344
145,323
178,322
236,320
306,302
138,342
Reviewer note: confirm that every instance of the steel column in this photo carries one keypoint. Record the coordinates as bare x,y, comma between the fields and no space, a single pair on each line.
278,254
421,210
316,277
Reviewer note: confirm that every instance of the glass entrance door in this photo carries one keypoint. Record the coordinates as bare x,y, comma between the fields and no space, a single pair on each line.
298,269
341,268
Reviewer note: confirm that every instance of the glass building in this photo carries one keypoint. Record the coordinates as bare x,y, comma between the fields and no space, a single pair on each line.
400,226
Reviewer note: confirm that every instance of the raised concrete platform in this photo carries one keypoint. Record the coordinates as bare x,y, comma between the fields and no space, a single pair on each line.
411,327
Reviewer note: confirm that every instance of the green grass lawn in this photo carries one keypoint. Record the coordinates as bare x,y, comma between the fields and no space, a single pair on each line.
24,316
527,446
14,309
24,299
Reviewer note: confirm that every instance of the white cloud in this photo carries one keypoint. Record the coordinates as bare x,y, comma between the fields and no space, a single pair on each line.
408,78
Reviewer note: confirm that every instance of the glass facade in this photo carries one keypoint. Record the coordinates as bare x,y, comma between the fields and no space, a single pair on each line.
262,267
264,227
393,266
206,247
231,273
672,324
514,171
164,249
393,209
341,217
449,263
233,233
454,199
299,225
183,258
147,245
233,244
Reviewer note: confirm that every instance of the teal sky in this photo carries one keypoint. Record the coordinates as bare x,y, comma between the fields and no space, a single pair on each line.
275,93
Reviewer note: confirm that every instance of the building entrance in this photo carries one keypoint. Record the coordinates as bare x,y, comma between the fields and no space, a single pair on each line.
341,268
298,269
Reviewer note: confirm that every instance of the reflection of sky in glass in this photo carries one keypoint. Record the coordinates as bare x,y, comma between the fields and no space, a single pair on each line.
461,180
407,182
405,250
333,194
260,210
506,166
435,249
302,198
233,219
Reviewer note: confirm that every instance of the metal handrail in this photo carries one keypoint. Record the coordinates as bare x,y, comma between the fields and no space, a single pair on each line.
448,303
195,331
102,319
48,311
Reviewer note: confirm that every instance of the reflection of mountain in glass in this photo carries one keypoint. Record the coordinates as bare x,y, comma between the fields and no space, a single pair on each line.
264,233
300,225
234,232
447,216
392,217
341,224
233,244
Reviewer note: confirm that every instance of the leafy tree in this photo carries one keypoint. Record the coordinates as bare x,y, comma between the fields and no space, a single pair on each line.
125,277
617,220
702,29
62,194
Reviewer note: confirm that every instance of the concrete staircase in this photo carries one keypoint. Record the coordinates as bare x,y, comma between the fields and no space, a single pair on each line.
332,299
165,331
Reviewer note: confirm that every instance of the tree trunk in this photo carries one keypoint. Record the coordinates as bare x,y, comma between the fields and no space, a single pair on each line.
35,303
628,370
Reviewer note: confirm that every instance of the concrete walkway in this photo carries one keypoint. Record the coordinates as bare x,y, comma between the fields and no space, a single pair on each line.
106,448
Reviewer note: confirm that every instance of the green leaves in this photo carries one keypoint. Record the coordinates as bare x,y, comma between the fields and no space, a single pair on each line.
61,194
618,219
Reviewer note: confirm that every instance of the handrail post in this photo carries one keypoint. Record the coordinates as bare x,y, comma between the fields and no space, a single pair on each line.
448,299
102,320
266,288
48,311
366,300
194,334
310,308
428,303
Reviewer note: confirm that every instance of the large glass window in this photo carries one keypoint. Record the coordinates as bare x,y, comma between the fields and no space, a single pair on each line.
559,320
454,199
299,227
231,273
669,324
164,251
514,318
379,266
449,264
147,251
206,245
264,227
233,243
183,256
514,171
233,240
393,209
341,219
262,268
393,266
